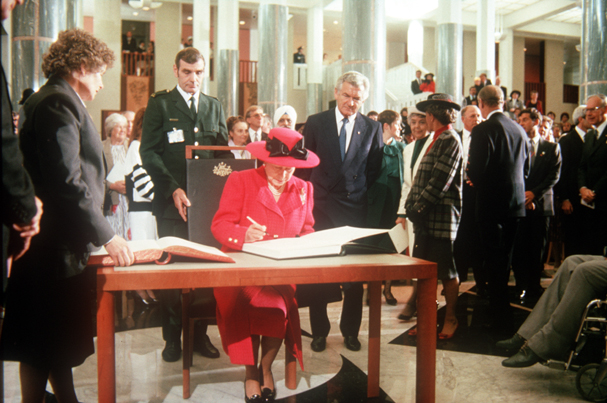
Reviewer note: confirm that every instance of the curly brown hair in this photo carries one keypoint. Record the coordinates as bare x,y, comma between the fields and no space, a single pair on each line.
74,48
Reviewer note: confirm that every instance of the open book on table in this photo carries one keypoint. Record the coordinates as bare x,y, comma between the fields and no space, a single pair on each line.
335,241
162,251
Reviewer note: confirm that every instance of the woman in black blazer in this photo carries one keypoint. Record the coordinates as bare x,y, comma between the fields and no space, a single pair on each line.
51,296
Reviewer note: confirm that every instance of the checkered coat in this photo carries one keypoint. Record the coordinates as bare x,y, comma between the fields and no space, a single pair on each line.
436,194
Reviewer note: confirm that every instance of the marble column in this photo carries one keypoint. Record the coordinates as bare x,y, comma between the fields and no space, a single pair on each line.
35,26
415,43
201,34
364,46
485,38
228,66
450,48
314,59
593,59
168,41
273,55
506,67
75,16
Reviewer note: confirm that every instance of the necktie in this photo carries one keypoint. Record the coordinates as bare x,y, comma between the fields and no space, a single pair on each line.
342,139
193,107
256,136
532,153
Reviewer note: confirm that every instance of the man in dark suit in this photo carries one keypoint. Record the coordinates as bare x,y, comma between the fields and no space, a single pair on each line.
498,162
471,98
173,119
545,168
254,118
129,44
567,190
592,173
20,208
349,145
416,83
466,245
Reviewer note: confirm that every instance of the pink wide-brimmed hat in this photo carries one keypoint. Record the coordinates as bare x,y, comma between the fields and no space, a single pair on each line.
284,147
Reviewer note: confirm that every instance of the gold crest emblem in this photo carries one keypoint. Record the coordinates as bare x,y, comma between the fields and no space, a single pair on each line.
222,169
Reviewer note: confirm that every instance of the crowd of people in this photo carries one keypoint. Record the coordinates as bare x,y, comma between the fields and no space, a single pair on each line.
479,199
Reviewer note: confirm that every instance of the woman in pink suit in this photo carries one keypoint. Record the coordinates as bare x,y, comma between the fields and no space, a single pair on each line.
261,204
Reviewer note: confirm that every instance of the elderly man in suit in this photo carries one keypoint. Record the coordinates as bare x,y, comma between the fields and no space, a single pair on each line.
173,119
435,201
592,173
552,326
567,191
498,162
349,145
545,168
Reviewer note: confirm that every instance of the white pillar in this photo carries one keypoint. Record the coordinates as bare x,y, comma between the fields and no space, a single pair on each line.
485,38
314,59
450,48
201,34
168,41
415,43
506,59
108,29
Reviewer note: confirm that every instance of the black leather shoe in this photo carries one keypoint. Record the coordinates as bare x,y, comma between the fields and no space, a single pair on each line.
172,351
524,358
318,344
268,394
254,399
206,348
352,343
513,343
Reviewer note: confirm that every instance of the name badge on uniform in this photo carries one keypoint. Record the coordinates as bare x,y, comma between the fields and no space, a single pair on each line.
175,136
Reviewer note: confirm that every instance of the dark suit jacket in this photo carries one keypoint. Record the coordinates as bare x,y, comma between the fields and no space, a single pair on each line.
498,162
415,87
340,188
131,47
592,172
63,154
18,205
571,153
543,175
166,112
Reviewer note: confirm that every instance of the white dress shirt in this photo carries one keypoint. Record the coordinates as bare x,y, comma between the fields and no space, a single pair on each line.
187,96
253,133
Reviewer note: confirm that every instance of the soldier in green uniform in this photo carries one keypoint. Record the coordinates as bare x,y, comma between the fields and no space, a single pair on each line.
173,119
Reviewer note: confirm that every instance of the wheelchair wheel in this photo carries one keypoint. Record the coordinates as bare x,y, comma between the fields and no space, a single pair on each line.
586,385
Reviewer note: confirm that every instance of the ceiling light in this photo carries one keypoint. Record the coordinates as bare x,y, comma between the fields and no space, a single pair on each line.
190,18
335,22
146,8
524,49
145,4
135,13
241,22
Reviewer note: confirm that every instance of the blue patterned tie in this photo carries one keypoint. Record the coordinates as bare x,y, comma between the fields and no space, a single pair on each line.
342,139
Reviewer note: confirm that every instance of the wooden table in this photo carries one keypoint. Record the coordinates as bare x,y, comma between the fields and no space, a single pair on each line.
254,270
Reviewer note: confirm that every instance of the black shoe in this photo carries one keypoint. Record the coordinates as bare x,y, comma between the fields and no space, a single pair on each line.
390,300
268,394
352,343
318,343
513,343
254,399
204,346
172,351
524,358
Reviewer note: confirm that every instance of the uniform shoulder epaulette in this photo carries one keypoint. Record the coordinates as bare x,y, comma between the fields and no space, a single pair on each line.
163,92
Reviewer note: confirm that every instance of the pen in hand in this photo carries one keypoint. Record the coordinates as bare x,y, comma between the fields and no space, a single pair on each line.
256,232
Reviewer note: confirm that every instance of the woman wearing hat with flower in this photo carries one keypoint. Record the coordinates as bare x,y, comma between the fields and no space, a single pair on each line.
261,204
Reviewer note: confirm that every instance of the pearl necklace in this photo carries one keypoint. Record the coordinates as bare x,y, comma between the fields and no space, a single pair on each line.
276,192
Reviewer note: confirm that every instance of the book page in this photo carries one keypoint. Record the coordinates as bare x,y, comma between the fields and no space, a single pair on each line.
320,243
399,237
183,247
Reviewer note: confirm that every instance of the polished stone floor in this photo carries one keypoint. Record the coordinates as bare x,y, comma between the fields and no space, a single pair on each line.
468,366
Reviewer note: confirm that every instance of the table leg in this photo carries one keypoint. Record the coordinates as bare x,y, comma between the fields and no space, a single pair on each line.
374,290
106,354
187,341
426,341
